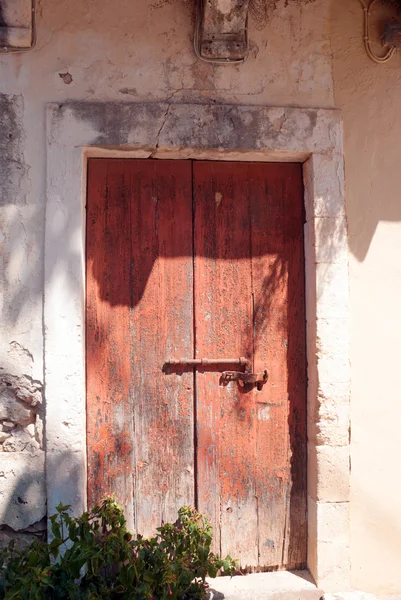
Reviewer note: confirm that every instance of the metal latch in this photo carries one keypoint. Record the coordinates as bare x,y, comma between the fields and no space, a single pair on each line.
242,377
245,378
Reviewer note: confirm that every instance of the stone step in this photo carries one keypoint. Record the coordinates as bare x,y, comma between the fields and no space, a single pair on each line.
279,585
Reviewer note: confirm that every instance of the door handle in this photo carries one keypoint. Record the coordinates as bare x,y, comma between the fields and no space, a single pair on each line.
243,378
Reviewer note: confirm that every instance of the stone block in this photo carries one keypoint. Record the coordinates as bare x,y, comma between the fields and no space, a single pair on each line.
65,430
334,565
331,243
328,473
20,441
66,474
24,388
332,334
333,522
332,290
331,417
22,489
338,578
326,240
328,544
25,537
325,198
254,128
329,425
13,410
332,346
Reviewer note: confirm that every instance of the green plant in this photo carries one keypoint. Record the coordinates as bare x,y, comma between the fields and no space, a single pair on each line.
94,557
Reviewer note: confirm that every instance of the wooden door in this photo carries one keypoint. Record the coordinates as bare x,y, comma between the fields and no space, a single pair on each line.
199,260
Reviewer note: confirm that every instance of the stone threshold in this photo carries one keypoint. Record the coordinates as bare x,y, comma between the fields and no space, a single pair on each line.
277,585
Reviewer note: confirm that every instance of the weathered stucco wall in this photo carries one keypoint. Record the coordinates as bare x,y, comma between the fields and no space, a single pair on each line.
369,96
115,51
141,51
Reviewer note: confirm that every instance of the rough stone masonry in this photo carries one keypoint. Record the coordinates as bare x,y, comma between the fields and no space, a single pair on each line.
22,487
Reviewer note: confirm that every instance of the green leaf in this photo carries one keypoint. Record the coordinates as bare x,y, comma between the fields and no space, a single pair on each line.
56,530
62,507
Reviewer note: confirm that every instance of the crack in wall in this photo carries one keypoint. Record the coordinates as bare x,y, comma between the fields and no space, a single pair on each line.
162,125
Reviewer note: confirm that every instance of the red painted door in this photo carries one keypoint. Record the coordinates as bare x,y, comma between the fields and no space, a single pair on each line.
199,260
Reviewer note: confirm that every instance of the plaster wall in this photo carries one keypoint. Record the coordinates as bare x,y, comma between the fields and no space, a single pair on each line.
141,51
126,51
369,96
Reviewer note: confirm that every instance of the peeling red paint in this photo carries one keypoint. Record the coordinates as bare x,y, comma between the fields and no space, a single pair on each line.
199,260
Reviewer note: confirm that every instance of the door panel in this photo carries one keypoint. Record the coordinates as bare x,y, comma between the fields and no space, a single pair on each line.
148,230
199,260
248,260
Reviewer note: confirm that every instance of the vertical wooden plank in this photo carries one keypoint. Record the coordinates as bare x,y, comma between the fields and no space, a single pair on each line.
226,434
109,408
161,328
279,342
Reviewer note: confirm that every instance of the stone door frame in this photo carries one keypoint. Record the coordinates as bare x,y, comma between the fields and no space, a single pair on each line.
77,131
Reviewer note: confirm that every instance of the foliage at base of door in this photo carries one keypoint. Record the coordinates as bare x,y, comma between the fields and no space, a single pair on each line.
94,556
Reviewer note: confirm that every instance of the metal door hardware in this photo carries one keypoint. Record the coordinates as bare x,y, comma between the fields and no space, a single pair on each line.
207,362
242,377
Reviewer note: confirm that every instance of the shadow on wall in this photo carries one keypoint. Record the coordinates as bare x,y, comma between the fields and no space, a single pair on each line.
21,229
22,497
368,96
23,506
